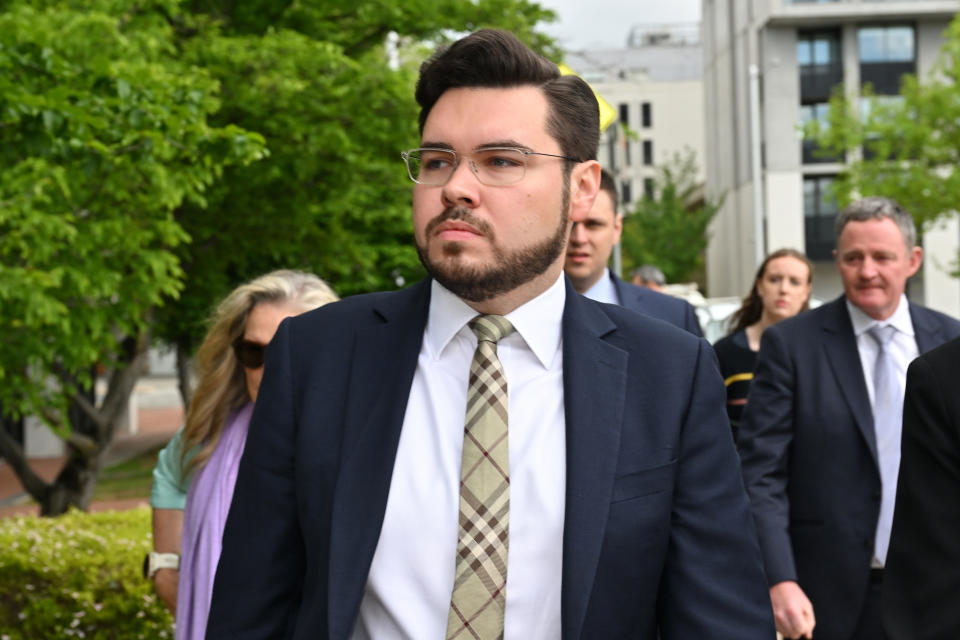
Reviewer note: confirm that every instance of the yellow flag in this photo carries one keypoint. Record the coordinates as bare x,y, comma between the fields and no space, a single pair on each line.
607,113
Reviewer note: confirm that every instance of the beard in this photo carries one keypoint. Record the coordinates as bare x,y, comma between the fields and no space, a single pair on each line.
506,271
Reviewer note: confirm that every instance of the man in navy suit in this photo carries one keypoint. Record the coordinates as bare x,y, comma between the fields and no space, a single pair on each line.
588,252
627,514
820,446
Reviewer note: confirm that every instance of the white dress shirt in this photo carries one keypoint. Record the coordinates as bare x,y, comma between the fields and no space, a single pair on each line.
603,290
411,579
903,348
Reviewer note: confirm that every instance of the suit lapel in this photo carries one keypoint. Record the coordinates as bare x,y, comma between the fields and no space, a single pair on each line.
840,348
381,373
929,333
594,387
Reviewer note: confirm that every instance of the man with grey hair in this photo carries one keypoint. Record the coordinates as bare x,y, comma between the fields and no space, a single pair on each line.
649,276
820,437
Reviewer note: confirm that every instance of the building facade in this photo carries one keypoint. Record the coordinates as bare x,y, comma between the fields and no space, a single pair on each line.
770,66
655,85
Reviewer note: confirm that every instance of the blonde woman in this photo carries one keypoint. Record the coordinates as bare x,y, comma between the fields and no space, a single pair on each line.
196,472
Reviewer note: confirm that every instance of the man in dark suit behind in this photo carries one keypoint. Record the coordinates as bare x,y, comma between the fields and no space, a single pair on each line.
819,446
588,252
618,496
922,578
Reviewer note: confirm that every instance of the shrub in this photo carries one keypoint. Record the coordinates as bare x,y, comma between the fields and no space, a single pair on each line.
78,576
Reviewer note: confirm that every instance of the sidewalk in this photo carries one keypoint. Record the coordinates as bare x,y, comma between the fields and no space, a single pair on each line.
156,426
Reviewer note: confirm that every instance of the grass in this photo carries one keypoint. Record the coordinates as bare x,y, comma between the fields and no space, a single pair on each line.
129,479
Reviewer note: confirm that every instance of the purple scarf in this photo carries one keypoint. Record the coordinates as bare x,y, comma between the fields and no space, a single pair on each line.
203,520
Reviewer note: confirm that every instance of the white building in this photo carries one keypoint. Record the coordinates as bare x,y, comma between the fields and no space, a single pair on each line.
655,86
770,65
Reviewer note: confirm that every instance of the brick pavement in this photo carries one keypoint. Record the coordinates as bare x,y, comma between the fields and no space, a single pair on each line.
156,426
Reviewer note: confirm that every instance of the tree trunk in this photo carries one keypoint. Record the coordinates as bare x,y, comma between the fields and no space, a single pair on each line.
13,453
74,485
92,431
183,376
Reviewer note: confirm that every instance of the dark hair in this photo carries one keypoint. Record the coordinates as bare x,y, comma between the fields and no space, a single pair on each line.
752,308
497,59
608,184
877,208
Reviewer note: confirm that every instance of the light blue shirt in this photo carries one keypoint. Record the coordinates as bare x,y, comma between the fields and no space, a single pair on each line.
169,490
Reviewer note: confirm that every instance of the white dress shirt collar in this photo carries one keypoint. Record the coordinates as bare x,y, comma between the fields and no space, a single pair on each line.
603,290
538,322
900,320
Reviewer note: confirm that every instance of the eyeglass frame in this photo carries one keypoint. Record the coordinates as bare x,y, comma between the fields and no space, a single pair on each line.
473,167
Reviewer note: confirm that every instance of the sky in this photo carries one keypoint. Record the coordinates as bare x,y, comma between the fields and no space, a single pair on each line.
605,24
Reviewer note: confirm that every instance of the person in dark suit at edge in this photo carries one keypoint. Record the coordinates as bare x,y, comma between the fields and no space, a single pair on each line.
922,580
588,252
820,436
381,494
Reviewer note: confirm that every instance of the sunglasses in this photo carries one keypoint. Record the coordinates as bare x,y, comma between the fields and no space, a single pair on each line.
250,354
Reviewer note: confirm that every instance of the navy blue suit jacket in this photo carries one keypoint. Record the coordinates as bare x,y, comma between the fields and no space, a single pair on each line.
809,457
657,305
657,533
922,576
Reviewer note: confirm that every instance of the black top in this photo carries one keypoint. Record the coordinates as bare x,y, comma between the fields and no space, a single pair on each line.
737,361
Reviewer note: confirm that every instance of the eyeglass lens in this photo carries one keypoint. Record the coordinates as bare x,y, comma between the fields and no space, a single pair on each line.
492,166
250,354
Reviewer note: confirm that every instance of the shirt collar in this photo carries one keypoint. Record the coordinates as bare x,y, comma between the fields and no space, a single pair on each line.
603,290
538,322
900,320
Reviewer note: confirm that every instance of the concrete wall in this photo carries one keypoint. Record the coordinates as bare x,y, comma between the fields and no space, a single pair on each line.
941,289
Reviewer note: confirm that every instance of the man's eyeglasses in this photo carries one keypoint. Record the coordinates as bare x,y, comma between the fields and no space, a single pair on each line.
250,354
495,166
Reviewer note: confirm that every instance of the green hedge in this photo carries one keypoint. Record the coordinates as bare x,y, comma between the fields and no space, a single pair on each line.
78,576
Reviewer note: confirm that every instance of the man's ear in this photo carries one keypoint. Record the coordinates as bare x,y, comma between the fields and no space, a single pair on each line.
914,260
584,186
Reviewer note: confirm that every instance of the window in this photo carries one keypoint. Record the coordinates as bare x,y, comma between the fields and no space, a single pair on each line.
819,214
820,62
648,152
648,188
885,44
887,53
626,193
816,112
818,48
646,115
625,113
612,149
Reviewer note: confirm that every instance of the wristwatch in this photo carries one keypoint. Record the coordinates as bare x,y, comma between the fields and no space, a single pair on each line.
155,561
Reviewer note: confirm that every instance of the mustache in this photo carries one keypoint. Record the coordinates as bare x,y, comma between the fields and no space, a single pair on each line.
464,215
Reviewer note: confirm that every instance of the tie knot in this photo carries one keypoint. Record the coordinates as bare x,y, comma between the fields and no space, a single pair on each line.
882,334
490,328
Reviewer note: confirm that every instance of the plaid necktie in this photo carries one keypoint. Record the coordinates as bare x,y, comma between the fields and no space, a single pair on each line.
479,588
887,425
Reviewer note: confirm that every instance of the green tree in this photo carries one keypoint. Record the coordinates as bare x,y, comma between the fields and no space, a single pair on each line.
103,135
128,199
905,147
332,197
670,229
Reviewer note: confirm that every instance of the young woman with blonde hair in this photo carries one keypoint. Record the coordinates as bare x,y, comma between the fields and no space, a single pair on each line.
196,472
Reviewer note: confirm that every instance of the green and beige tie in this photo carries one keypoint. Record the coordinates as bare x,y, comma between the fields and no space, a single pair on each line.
480,585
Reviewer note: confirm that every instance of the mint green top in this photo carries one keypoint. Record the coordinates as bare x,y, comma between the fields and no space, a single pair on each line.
169,490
